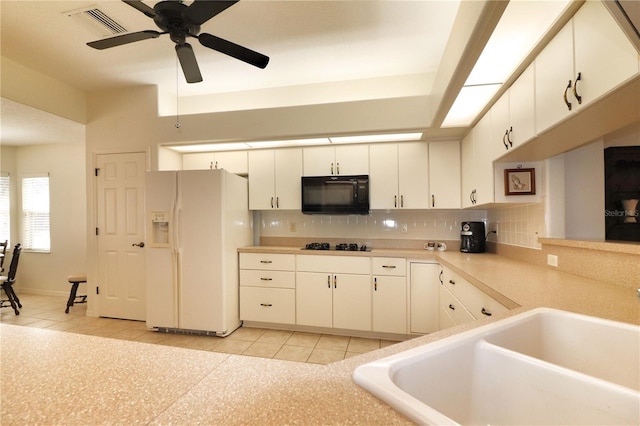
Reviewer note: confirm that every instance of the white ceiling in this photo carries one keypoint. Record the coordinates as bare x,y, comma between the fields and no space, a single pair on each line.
309,42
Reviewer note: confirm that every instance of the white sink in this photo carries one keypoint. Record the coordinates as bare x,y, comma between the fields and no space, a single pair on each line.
541,367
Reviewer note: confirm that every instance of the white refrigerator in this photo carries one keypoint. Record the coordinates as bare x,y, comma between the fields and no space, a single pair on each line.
196,221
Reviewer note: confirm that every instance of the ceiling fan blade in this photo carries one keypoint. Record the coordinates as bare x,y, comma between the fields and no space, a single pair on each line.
137,4
188,62
235,50
201,11
123,39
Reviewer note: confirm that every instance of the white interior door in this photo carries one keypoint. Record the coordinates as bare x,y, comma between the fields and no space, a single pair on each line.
120,227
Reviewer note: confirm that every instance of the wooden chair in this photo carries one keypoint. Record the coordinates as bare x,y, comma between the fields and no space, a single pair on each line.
8,280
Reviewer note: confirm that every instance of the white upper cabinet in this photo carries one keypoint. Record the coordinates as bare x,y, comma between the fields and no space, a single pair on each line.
336,160
274,179
444,175
232,161
399,176
477,165
512,116
589,57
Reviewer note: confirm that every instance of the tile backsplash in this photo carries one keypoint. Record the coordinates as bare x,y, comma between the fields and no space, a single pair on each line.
517,225
397,224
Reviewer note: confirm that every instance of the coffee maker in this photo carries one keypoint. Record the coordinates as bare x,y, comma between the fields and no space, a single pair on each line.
472,237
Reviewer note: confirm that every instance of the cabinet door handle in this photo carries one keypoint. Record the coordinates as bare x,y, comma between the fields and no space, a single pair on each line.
504,139
266,279
509,137
216,165
328,281
452,282
433,200
271,202
375,284
331,168
335,281
266,304
440,276
337,168
266,261
389,266
401,200
277,202
575,89
395,201
453,308
566,101
485,312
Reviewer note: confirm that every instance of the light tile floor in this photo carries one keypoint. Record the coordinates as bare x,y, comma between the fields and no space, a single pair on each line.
48,312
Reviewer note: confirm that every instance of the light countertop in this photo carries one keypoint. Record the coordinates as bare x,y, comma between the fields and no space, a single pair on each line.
51,377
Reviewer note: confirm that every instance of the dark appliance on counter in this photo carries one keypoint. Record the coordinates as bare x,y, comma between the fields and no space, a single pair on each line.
335,194
338,247
472,237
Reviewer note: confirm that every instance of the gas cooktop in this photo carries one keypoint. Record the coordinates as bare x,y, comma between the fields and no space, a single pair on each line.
339,247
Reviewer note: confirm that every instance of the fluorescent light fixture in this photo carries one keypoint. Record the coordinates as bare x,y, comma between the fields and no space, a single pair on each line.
209,147
470,101
521,27
288,142
390,137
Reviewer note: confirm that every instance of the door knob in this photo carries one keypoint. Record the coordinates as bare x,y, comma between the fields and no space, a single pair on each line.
140,244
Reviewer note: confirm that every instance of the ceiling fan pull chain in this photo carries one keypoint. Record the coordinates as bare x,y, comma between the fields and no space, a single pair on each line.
178,125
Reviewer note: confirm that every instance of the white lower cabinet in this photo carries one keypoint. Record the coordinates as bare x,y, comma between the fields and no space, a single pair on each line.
461,301
389,294
424,286
334,291
267,288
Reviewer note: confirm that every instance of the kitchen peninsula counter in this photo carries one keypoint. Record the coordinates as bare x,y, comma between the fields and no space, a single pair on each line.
52,377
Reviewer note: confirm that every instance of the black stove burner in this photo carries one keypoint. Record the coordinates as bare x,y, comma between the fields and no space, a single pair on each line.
341,246
317,246
347,247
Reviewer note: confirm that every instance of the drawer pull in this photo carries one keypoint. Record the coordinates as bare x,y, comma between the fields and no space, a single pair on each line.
453,308
485,312
266,279
266,304
452,282
266,261
389,266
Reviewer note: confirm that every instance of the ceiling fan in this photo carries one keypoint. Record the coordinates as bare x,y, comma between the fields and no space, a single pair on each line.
181,21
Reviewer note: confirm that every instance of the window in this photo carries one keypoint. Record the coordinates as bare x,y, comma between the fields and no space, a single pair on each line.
35,213
5,208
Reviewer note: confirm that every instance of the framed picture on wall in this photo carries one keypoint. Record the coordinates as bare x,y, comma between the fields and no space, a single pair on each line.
519,181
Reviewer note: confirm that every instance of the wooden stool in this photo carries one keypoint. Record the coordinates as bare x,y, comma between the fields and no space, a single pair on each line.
75,280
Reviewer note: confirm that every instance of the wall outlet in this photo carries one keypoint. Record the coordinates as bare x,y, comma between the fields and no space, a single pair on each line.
552,260
292,227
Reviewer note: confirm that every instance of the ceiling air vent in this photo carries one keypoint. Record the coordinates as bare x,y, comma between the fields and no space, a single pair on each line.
97,21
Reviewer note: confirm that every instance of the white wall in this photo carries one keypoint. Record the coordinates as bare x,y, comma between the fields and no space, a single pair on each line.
584,192
46,273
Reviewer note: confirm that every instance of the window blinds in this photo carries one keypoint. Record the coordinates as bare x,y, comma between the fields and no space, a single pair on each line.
35,213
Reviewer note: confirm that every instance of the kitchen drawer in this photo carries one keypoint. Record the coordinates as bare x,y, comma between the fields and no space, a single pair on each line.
273,305
264,278
270,261
481,304
389,266
456,309
334,264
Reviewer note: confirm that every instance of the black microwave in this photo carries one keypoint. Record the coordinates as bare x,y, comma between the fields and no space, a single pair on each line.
335,194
